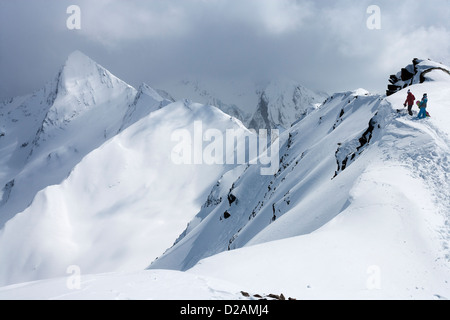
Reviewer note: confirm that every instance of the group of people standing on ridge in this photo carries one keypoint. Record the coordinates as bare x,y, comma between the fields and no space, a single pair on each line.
422,105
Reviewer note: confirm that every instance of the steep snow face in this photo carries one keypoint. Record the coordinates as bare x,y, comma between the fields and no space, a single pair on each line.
86,93
20,119
244,204
121,206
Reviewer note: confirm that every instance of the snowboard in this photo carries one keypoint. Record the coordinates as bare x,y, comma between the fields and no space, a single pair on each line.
428,114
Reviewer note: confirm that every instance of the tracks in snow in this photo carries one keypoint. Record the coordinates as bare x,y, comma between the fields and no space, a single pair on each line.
428,158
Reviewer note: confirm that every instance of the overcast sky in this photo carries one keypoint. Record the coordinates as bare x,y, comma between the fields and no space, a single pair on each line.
325,44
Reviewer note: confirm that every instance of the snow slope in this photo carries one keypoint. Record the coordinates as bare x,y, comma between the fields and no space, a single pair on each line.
308,162
83,187
139,285
120,207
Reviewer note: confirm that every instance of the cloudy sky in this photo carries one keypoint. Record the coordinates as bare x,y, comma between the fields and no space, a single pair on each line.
325,44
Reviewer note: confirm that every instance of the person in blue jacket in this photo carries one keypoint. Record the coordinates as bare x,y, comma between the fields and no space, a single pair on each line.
423,107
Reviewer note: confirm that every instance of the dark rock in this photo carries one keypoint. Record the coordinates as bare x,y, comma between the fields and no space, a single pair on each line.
245,294
392,87
406,75
231,198
393,79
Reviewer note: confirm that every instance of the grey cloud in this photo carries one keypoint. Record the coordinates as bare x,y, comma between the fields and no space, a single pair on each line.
323,44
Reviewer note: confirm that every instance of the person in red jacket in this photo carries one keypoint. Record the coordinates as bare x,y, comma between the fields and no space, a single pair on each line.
410,102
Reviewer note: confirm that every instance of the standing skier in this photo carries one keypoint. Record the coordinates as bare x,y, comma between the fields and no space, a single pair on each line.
423,107
410,102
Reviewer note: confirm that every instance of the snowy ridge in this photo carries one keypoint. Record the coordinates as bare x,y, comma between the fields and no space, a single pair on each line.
146,101
387,213
394,225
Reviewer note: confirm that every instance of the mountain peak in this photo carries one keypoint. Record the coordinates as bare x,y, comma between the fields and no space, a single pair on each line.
82,84
77,55
81,73
78,66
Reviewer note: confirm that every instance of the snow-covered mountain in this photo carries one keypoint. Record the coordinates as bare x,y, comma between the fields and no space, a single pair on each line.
358,209
97,186
266,105
47,133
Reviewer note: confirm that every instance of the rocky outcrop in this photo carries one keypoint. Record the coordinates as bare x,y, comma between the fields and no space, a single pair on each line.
417,72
